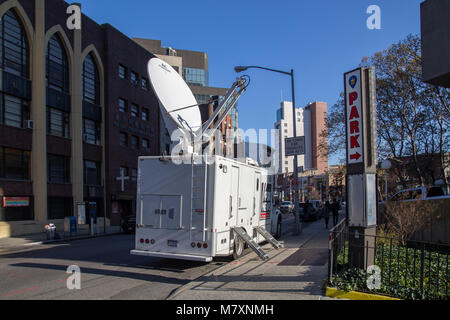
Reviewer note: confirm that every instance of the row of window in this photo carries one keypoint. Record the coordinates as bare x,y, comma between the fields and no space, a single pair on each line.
133,141
134,77
135,111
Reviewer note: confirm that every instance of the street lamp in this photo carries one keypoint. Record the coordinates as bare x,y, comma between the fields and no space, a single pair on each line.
240,69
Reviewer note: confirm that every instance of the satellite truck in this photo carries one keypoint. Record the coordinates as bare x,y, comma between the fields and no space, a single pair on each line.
197,207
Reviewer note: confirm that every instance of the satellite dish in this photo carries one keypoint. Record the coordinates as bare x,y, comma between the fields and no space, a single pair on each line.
178,105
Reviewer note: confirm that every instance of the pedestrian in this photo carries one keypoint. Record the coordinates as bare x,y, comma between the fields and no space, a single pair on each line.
335,208
326,213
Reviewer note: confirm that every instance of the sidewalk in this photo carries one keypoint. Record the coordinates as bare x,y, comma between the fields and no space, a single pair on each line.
25,242
296,272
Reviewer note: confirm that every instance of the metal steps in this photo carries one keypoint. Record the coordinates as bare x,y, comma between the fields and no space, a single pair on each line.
269,238
251,243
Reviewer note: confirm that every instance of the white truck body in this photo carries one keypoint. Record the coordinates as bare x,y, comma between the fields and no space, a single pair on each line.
188,212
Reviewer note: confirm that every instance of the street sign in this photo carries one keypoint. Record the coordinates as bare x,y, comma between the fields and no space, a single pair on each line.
295,146
354,114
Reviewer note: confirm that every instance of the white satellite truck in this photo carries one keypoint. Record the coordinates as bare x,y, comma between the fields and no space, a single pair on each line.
208,206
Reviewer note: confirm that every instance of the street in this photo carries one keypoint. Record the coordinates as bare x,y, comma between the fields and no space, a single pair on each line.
108,271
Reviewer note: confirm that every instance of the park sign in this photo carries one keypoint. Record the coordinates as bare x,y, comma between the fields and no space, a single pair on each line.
295,146
354,116
360,113
361,178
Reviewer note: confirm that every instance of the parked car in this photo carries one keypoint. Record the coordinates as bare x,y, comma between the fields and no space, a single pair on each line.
421,193
287,207
128,224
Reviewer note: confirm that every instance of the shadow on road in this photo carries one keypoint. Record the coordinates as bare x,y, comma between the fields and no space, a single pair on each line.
109,273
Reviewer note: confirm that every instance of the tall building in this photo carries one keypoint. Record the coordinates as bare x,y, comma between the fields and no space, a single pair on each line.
286,130
311,123
71,102
315,123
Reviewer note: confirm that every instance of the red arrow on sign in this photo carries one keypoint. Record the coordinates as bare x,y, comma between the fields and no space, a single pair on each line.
356,156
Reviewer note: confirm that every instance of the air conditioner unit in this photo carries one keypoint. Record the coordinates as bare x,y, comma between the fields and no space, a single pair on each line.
30,124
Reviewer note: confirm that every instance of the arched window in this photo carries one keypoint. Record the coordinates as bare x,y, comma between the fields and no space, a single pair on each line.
91,84
57,77
91,104
14,56
13,45
57,65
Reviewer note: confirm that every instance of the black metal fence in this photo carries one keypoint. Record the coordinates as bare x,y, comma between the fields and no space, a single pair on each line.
412,270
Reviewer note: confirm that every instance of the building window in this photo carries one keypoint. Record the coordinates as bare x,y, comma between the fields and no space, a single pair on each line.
57,66
122,72
14,111
58,123
10,213
91,81
14,56
123,139
14,50
134,78
144,114
14,164
145,144
123,106
92,173
134,175
59,208
58,169
196,77
144,83
91,131
134,111
134,142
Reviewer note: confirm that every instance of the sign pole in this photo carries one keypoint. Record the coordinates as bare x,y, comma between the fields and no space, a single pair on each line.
360,109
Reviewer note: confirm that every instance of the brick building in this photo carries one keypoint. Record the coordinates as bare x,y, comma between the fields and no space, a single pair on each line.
71,102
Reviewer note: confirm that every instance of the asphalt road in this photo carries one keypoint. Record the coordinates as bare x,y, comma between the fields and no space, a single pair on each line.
108,271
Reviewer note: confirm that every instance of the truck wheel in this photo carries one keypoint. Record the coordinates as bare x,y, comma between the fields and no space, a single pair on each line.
278,232
239,246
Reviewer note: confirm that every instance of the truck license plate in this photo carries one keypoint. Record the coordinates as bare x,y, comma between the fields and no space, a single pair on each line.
172,243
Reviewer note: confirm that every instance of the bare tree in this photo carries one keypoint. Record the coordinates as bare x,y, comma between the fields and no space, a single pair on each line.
413,116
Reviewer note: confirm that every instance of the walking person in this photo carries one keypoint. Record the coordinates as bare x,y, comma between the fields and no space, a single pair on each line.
326,213
335,208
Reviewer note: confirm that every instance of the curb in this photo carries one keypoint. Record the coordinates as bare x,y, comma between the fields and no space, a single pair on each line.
76,238
353,295
32,244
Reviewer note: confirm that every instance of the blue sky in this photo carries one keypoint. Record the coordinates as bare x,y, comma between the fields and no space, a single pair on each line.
320,40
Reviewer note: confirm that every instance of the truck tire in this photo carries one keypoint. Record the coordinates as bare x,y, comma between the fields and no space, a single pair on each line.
239,247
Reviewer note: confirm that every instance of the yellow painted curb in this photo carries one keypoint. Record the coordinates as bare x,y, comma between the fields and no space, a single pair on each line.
353,295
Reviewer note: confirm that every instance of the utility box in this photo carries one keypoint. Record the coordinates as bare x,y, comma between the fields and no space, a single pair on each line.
70,225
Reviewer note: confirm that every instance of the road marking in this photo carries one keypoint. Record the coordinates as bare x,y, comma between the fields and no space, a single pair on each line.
20,292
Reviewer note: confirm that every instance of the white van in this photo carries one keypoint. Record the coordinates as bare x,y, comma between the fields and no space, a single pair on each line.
199,211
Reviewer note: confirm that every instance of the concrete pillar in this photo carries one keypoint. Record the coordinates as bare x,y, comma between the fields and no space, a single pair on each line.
76,83
38,113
